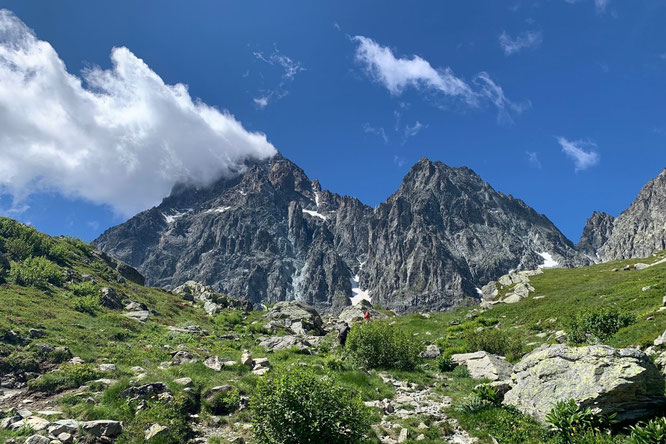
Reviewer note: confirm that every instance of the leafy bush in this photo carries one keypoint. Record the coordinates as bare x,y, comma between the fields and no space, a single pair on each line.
229,318
36,272
473,404
87,304
223,403
494,341
298,406
68,376
461,372
570,421
19,248
445,363
84,289
652,432
379,345
487,393
597,326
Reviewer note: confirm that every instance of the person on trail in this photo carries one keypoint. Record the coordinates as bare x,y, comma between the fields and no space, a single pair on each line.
342,334
366,316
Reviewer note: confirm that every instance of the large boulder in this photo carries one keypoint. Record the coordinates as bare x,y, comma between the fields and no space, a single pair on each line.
289,342
355,312
298,317
483,365
603,378
214,302
103,428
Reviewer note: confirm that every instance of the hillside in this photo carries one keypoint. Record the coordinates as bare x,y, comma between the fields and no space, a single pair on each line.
45,324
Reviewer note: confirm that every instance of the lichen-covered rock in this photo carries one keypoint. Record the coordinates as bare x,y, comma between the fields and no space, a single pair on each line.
277,343
304,318
603,378
483,365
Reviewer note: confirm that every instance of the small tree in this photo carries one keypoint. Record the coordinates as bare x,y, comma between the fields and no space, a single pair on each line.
297,407
380,345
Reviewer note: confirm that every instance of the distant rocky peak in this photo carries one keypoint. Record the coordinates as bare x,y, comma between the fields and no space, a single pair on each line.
598,229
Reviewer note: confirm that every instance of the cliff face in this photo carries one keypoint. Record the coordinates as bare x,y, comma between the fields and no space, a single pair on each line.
271,234
597,231
641,229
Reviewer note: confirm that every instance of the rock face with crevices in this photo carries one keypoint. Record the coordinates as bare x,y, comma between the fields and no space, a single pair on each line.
603,378
597,231
639,231
271,234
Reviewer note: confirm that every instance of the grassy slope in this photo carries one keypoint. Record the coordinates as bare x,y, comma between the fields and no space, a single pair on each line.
110,337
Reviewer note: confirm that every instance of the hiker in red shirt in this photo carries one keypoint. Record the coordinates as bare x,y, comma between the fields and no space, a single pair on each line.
366,316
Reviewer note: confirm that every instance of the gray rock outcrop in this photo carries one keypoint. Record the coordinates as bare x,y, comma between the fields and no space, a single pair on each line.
639,231
597,231
605,379
298,317
483,365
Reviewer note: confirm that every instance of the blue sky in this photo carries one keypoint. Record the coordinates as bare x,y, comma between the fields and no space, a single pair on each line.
561,103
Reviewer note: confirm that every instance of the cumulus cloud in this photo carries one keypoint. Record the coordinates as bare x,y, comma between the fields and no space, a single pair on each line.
583,153
527,40
397,74
120,137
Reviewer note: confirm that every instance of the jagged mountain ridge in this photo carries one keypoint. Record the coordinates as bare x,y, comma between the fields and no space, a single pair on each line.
271,234
598,229
640,230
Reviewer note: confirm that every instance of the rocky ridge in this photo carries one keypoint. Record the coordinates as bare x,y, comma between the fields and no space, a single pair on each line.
271,234
639,231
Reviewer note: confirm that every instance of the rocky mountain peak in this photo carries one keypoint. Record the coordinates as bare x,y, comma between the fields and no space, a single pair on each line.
641,229
270,234
598,229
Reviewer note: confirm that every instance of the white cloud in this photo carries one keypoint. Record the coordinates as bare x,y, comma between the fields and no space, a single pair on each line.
289,67
397,74
261,102
600,5
533,159
120,136
527,40
576,151
369,129
414,129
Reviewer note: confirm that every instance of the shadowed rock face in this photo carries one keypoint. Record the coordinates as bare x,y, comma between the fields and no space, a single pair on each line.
641,229
270,234
597,230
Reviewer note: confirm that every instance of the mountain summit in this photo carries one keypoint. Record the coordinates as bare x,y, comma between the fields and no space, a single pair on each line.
272,234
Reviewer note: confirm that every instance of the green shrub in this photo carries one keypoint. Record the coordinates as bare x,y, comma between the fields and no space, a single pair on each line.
494,341
229,318
68,376
597,325
487,393
380,345
473,404
461,372
18,248
652,432
298,406
84,289
59,252
570,421
223,403
445,363
87,304
36,272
